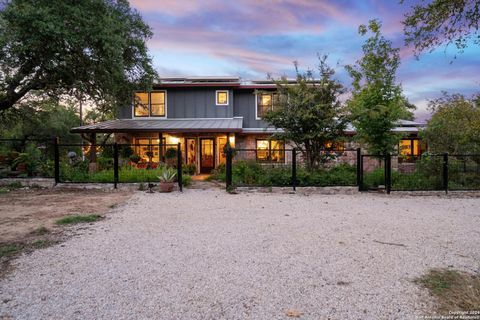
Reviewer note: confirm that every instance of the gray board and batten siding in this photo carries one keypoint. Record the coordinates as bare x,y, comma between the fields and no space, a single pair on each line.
191,103
200,102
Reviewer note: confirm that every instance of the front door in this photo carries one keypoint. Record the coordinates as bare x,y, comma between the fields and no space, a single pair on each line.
207,155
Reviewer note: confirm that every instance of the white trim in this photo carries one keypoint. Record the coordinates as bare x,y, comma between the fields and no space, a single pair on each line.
256,107
216,97
149,117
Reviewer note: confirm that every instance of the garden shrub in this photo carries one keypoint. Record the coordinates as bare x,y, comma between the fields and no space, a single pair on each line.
189,169
257,174
186,180
374,179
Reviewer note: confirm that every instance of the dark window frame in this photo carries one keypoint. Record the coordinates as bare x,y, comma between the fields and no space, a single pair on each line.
269,151
258,96
135,106
164,104
149,104
412,157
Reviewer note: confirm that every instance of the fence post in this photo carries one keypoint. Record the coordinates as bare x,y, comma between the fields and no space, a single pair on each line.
56,156
294,169
359,156
445,172
179,166
388,172
228,167
360,166
115,165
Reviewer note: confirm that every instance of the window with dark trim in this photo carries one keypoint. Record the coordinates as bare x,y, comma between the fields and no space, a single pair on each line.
270,150
157,104
144,146
221,98
149,104
409,149
338,146
264,103
141,104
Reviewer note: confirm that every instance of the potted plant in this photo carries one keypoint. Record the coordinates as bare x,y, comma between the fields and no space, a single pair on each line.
149,154
167,178
135,158
170,156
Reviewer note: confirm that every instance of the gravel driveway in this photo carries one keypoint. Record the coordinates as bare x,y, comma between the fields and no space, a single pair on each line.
205,254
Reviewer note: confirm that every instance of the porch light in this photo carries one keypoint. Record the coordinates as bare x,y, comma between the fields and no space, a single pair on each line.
231,140
174,140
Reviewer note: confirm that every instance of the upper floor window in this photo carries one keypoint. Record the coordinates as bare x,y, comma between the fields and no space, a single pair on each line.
157,104
141,104
265,103
150,104
222,98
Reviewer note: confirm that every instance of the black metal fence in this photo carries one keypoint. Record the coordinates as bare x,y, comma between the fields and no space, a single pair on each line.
288,168
81,163
429,172
125,163
22,158
117,163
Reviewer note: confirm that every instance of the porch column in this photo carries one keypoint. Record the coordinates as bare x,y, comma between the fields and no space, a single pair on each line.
160,147
92,166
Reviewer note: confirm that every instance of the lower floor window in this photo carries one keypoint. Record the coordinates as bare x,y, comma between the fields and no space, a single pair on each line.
270,150
338,146
410,149
148,149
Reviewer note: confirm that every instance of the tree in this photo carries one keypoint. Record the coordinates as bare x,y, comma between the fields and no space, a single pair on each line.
454,126
437,22
42,120
377,102
309,112
92,47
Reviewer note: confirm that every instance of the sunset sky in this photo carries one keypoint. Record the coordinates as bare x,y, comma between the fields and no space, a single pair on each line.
251,38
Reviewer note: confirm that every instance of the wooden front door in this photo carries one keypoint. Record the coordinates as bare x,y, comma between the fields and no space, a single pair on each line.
207,155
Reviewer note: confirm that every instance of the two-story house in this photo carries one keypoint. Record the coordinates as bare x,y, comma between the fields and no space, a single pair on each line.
203,114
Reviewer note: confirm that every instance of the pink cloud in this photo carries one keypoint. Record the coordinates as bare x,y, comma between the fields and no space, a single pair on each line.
254,60
172,7
255,15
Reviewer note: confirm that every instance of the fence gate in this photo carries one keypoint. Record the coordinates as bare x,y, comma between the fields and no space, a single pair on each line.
375,172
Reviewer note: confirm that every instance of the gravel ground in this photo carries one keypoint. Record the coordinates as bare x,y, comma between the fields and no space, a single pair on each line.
205,254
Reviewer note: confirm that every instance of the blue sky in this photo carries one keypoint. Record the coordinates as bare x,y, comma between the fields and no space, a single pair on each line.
253,38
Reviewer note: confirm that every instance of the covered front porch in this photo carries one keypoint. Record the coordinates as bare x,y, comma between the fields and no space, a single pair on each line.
201,151
201,141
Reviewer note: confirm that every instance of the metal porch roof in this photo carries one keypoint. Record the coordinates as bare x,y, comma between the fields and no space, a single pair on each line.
164,125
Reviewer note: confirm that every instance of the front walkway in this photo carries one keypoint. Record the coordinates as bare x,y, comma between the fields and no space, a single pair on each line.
205,254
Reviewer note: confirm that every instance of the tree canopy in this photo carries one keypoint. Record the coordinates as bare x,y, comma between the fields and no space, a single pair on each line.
377,102
309,112
455,125
430,24
40,120
95,48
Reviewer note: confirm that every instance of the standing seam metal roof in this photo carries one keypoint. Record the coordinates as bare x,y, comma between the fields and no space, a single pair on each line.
226,124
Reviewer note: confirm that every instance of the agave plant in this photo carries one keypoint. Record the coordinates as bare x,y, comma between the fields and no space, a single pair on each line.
167,175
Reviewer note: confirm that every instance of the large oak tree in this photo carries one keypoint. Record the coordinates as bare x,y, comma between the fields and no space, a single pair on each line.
432,23
55,47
